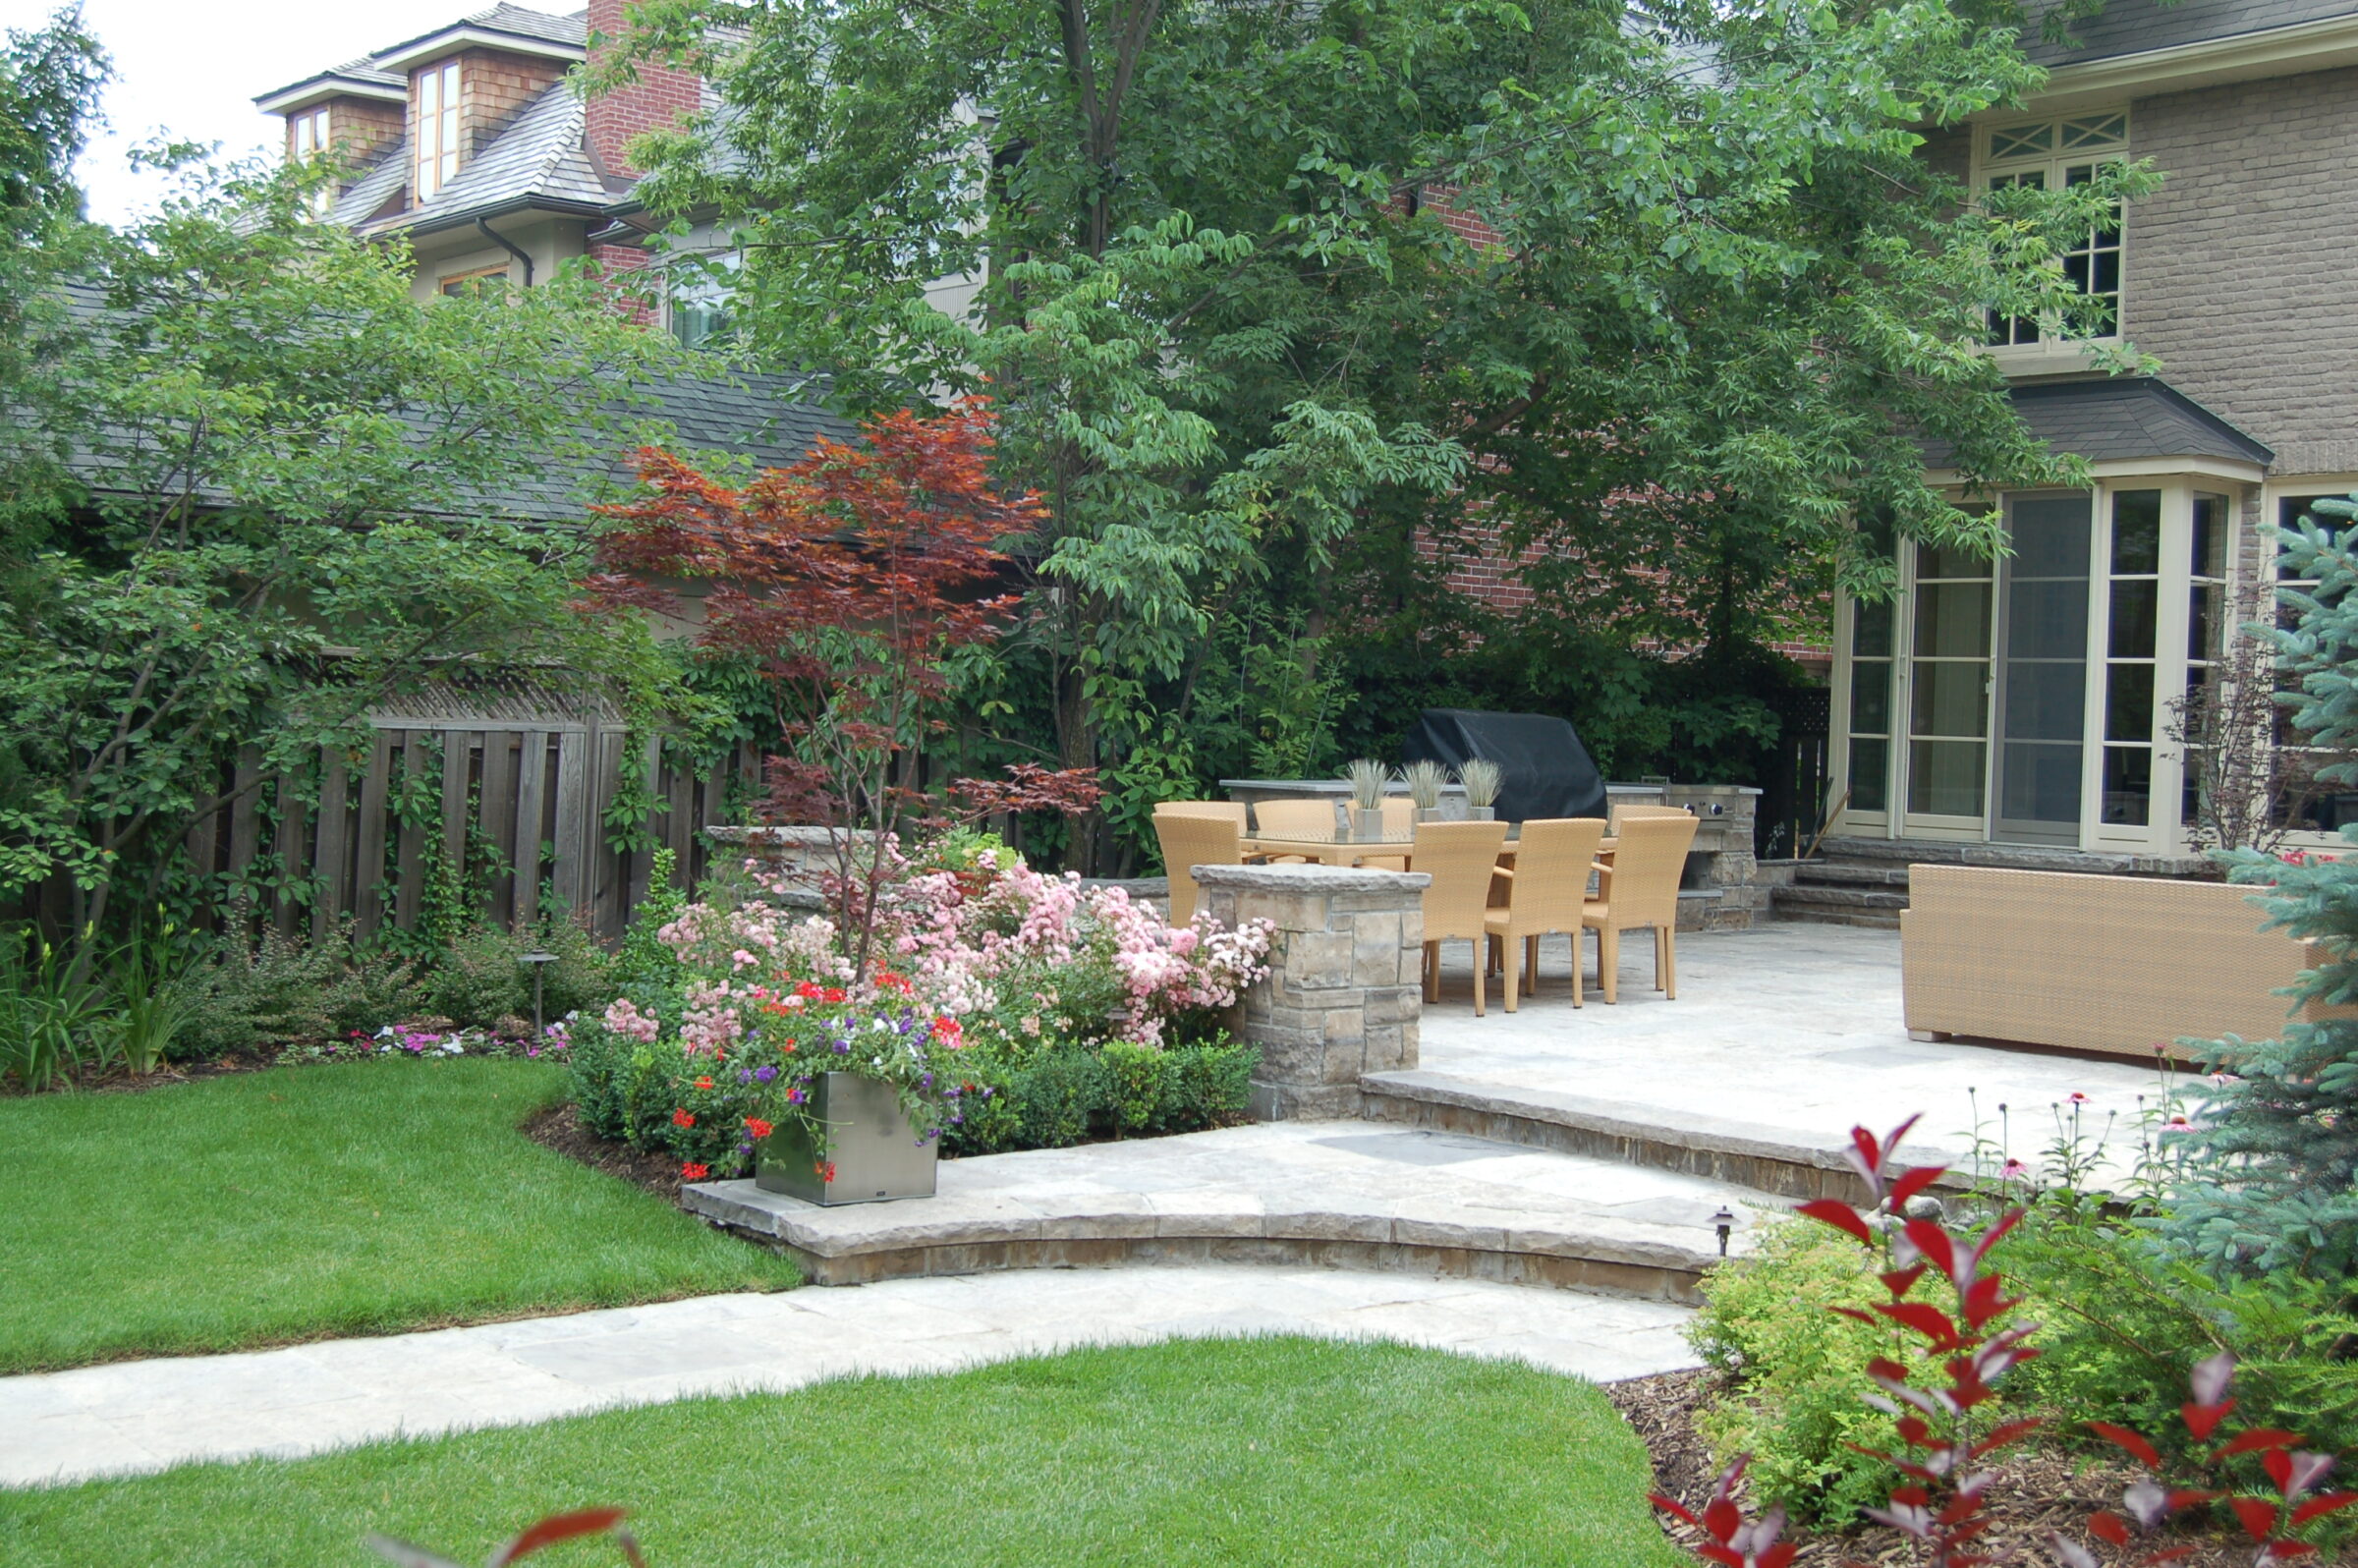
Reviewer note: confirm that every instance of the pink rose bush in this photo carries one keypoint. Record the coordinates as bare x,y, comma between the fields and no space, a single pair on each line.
984,976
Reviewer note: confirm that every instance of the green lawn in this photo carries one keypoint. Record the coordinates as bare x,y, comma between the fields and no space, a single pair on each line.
1237,1453
308,1202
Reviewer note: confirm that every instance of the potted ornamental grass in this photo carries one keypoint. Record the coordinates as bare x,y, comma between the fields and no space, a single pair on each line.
1482,778
1368,779
1425,780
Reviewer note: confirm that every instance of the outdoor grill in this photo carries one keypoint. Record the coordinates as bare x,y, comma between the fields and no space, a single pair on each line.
1547,771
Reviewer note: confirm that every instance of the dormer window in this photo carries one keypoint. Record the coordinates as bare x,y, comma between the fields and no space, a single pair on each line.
308,131
437,126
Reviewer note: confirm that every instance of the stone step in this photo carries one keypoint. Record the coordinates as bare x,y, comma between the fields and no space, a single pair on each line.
1335,1194
1820,898
1855,874
2013,857
1875,920
1743,1156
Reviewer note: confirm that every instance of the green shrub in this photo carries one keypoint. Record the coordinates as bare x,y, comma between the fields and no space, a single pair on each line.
1795,1371
2121,1318
281,990
1057,1095
1138,1084
482,979
1209,1084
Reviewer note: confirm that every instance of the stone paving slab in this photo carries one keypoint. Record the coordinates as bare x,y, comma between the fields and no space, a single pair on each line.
134,1417
1782,1037
1342,1192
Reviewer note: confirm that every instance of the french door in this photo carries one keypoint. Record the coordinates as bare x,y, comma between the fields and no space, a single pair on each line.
2040,681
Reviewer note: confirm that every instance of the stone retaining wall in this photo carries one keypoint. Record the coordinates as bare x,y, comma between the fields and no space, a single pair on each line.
1342,996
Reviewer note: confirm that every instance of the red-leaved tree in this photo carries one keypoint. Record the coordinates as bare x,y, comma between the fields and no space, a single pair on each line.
852,581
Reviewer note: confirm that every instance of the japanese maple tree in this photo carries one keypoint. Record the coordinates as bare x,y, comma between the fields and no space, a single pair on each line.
852,581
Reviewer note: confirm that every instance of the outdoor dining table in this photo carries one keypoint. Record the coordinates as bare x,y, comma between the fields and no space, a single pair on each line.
1350,851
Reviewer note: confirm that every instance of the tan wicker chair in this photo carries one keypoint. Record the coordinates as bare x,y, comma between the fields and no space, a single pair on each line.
1294,818
1547,892
1459,857
1190,839
1230,811
1617,815
1639,889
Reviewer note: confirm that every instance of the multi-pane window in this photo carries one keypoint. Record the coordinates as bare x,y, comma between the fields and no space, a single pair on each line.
2129,663
1949,684
437,126
1871,666
308,132
2057,156
2205,626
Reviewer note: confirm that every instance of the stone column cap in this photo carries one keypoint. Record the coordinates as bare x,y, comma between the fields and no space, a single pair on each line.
1312,878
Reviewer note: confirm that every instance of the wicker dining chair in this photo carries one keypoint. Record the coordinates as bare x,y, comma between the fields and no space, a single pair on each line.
1618,814
1228,810
1547,892
1190,839
1294,818
1459,857
1638,889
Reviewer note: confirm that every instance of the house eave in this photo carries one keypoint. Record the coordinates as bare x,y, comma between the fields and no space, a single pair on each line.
450,40
2326,44
327,85
2225,471
442,222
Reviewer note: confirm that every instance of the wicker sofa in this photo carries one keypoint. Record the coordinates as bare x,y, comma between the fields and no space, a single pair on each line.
2117,964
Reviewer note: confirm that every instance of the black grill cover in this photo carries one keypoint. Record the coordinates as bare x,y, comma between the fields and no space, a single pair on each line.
1547,772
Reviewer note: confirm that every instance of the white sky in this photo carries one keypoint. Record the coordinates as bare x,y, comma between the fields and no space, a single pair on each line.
191,67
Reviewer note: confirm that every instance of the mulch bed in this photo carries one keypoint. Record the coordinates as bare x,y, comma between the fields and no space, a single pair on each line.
559,1128
2040,1490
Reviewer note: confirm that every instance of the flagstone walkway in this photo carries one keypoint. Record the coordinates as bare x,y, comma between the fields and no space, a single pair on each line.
150,1415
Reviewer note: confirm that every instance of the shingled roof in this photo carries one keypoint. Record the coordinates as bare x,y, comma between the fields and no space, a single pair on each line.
2125,418
2140,27
539,161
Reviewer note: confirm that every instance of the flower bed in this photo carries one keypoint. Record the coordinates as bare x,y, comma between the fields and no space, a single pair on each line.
1010,1008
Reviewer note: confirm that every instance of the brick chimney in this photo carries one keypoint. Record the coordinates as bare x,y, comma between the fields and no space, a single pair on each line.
661,97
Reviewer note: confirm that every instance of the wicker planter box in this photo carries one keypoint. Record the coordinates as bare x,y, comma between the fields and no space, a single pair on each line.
2126,965
873,1155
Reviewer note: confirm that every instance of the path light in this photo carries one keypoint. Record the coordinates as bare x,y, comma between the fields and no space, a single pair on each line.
1723,1222
540,963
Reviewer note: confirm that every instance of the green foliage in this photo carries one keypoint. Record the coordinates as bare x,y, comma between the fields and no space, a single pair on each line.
1255,382
2122,1316
643,966
274,990
1796,1372
47,1012
1057,1095
280,524
2273,1176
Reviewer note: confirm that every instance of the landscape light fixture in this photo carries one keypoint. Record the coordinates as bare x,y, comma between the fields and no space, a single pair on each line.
1723,1222
540,963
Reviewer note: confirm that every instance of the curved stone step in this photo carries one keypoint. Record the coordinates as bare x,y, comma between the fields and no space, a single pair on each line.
1336,1193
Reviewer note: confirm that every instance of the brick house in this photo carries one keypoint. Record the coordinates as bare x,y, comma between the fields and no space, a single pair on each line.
470,142
2032,704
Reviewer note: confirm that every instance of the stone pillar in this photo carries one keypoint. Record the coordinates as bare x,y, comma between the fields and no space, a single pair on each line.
1344,993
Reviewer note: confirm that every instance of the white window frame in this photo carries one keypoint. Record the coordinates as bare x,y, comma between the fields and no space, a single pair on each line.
1989,163
436,160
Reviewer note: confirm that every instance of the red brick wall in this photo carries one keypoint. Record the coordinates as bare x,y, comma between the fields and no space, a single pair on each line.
659,100
619,261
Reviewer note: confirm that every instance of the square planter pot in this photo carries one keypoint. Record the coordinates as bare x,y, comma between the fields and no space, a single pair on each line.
873,1152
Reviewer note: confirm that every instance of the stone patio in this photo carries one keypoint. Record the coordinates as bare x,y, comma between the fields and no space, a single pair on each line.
1782,1037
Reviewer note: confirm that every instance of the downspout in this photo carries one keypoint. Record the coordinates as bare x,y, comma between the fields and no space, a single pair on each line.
501,239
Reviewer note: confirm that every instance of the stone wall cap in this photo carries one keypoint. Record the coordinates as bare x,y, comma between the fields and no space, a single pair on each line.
1313,879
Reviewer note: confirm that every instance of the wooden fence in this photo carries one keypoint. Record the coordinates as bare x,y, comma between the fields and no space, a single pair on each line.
524,808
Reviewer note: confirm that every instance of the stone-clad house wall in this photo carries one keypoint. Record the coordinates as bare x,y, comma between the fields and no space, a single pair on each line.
2237,276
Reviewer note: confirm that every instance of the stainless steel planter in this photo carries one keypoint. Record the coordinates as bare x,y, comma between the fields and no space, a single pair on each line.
873,1152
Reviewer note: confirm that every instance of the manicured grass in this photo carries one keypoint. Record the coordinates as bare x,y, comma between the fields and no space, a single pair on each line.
301,1202
1237,1453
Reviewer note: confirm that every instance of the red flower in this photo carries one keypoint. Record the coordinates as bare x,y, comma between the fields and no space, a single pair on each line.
828,1171
949,1031
756,1126
788,1047
833,993
808,991
681,1118
704,1083
692,1172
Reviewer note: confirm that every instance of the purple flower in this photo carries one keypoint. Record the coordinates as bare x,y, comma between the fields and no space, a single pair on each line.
764,1073
745,1075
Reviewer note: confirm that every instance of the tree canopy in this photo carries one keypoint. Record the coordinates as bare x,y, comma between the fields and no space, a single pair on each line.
1244,341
